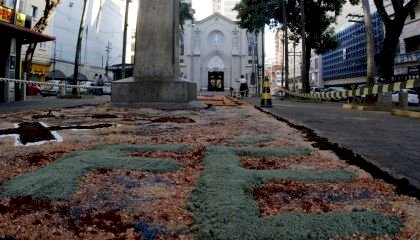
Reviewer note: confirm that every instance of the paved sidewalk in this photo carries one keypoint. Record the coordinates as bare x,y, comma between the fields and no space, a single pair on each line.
391,143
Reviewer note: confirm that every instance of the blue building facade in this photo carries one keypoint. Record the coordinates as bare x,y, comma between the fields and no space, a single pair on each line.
349,59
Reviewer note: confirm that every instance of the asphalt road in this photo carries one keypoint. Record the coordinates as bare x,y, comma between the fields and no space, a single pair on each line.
391,143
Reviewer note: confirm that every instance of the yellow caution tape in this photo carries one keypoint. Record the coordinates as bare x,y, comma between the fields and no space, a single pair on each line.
40,84
396,86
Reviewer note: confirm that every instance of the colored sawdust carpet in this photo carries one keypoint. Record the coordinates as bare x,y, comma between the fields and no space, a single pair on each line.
226,172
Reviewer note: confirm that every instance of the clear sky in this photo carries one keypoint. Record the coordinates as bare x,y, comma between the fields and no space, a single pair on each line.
203,8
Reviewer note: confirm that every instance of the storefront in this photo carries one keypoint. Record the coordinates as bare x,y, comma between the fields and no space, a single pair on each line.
13,37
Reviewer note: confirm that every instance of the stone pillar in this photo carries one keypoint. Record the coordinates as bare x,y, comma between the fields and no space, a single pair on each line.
385,99
156,81
403,99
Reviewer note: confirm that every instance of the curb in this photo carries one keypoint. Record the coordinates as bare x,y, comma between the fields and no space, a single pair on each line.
405,113
403,186
367,108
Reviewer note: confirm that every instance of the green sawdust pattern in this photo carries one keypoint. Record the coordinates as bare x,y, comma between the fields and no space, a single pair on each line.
253,139
224,208
60,178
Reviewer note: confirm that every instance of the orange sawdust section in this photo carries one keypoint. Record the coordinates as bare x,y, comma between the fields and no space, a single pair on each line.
218,101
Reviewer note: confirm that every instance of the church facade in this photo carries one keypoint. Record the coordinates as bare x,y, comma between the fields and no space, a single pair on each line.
215,52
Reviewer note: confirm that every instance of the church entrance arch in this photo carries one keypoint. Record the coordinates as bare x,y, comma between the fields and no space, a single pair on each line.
215,81
215,78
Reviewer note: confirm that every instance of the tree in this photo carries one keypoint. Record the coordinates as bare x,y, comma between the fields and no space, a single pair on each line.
319,36
50,6
319,15
394,24
253,16
185,13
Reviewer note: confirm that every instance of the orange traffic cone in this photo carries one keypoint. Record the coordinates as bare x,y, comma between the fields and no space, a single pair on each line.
266,96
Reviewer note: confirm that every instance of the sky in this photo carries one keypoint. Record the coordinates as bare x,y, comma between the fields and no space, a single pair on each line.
203,8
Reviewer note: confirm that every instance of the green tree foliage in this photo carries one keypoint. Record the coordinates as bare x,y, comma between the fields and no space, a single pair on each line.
394,24
319,15
253,14
185,13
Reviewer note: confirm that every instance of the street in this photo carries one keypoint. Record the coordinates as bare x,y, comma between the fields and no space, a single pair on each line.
389,142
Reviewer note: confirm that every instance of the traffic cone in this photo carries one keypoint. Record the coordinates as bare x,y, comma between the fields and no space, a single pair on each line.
266,96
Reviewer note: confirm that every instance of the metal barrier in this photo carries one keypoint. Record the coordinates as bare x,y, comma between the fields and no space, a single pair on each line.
378,88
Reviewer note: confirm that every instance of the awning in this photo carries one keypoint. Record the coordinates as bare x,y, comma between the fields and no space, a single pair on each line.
57,74
24,34
81,77
40,68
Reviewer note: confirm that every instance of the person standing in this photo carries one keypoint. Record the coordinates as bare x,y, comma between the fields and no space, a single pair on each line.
101,84
243,87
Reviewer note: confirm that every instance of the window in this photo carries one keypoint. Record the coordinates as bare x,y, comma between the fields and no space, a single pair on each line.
20,6
181,44
34,11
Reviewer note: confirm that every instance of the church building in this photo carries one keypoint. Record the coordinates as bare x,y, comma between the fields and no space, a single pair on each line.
215,52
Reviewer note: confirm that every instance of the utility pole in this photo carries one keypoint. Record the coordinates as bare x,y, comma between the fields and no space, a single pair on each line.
54,60
15,13
107,50
127,3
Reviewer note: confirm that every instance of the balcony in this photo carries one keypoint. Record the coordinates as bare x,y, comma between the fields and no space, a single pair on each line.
407,58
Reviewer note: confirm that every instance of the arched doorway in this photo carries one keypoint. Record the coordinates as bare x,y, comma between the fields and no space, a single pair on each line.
215,74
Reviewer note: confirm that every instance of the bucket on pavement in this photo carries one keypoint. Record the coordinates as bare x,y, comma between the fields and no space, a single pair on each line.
265,95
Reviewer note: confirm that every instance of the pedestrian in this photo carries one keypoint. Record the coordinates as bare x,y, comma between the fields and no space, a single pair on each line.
243,87
101,84
231,91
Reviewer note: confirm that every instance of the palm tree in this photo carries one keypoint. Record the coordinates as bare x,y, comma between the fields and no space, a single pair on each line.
185,13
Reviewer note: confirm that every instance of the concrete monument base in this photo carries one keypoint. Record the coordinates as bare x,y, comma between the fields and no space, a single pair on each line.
155,93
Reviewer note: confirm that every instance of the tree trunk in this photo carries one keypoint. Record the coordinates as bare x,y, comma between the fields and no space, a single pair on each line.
304,72
370,45
393,31
79,46
286,45
305,81
27,64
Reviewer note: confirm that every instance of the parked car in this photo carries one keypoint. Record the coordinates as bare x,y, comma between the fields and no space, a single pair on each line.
413,97
278,94
107,88
316,90
53,90
33,90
